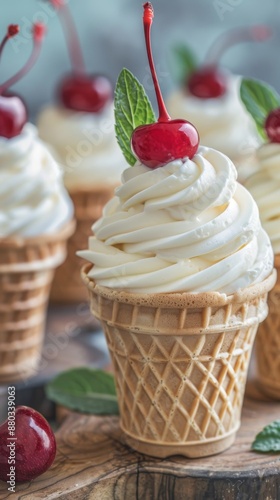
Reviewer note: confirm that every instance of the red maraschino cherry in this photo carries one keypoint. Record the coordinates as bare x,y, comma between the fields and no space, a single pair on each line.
272,125
27,448
210,81
79,91
13,114
159,143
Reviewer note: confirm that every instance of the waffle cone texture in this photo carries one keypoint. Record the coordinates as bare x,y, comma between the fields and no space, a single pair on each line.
88,205
180,363
268,344
26,273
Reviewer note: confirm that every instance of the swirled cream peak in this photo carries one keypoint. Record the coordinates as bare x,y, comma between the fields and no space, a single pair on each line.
222,122
264,186
84,145
187,226
33,200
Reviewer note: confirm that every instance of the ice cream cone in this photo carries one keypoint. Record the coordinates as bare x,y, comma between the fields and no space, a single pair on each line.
180,363
88,204
268,344
26,273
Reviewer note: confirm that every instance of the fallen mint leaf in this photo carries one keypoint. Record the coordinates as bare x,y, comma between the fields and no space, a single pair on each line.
132,109
259,99
85,390
182,63
268,440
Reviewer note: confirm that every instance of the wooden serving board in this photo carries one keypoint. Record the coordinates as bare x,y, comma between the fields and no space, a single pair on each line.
93,463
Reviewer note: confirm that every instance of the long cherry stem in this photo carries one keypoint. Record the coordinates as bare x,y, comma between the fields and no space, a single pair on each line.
148,20
74,47
38,36
226,40
12,31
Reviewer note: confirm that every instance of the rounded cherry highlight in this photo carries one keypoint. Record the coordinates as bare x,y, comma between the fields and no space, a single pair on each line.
209,81
13,113
272,125
159,143
79,91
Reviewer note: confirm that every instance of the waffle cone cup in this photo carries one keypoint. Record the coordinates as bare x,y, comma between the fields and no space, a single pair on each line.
26,273
180,362
268,344
67,286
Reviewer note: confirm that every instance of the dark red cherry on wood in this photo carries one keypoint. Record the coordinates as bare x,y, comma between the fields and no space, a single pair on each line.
272,125
208,82
32,445
85,93
159,143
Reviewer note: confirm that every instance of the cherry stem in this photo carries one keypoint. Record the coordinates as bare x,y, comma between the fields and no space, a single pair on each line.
38,35
226,40
71,34
12,31
148,20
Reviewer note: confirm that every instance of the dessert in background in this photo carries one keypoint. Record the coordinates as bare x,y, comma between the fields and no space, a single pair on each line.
179,273
79,129
208,95
36,218
263,102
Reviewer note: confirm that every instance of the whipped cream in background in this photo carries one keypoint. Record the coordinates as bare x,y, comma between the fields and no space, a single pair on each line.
84,145
223,123
264,186
33,200
187,226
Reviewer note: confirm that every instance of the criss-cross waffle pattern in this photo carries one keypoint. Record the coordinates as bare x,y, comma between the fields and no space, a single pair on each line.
26,272
67,284
180,371
268,345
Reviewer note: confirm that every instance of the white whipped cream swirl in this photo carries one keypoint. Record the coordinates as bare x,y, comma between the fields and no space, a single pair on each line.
187,226
33,200
223,122
264,186
84,145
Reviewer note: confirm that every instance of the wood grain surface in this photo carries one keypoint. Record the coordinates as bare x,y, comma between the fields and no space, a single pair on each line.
93,463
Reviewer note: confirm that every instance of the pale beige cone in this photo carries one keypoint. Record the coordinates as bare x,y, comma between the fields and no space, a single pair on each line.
180,363
88,205
268,344
26,273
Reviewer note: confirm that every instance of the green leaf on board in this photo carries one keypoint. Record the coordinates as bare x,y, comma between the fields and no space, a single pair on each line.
268,440
132,109
85,390
259,99
182,63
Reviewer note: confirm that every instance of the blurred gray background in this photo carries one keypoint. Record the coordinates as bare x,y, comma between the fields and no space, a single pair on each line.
111,35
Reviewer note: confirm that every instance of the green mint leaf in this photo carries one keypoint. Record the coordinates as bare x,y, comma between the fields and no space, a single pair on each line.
85,390
268,440
132,109
260,99
182,63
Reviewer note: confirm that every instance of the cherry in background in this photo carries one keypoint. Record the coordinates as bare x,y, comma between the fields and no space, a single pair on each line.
210,81
272,125
159,143
13,113
80,91
34,448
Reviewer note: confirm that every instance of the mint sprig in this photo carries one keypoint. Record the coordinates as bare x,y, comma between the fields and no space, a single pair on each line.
132,109
268,440
85,390
259,99
182,63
